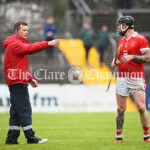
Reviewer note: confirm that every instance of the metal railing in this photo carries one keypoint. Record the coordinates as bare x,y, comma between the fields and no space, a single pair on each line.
83,9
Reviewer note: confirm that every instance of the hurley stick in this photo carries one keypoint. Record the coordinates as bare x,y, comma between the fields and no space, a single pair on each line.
112,71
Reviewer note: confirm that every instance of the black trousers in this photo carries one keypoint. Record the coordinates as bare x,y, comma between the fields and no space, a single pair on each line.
50,50
87,49
101,51
49,53
20,112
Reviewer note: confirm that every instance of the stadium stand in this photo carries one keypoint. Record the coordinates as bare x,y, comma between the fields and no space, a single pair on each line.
71,51
98,13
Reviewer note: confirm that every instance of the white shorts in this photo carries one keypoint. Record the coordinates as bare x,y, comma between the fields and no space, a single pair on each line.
127,86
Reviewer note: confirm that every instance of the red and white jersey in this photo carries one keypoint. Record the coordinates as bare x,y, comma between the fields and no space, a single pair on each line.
132,46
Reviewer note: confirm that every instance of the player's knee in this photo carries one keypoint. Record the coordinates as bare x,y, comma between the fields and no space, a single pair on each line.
120,109
141,109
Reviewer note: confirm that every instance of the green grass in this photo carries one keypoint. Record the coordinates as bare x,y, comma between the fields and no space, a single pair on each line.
80,131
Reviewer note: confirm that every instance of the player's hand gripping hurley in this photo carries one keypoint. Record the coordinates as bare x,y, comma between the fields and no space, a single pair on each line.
112,70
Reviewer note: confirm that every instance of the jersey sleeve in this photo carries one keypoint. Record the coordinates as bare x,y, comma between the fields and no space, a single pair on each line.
21,49
144,45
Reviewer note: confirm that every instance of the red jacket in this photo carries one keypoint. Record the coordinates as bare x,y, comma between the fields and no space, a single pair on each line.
16,60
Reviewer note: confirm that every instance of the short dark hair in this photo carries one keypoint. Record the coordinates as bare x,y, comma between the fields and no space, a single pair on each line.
17,25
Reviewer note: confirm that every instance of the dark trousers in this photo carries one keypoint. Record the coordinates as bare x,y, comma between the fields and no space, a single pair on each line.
49,53
20,112
87,49
101,52
50,50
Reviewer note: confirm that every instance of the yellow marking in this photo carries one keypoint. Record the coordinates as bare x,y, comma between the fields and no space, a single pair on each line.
131,107
74,51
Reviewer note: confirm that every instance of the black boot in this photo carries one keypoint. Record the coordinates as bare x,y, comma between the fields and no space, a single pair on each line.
12,137
12,141
32,139
36,140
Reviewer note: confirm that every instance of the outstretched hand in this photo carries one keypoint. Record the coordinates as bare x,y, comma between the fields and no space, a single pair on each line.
54,42
34,83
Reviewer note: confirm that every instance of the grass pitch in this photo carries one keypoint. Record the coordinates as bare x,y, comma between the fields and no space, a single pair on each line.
80,131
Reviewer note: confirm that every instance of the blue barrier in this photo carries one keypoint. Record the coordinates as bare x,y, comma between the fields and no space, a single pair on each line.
148,97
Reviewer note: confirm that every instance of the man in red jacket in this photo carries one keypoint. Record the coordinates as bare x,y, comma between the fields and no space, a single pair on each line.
17,77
